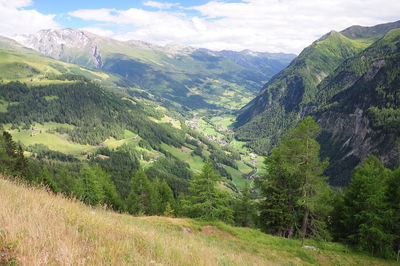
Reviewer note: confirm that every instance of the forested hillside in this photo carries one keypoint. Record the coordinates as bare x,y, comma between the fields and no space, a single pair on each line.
321,75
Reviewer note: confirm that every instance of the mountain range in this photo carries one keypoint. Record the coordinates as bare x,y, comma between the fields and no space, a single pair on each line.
191,77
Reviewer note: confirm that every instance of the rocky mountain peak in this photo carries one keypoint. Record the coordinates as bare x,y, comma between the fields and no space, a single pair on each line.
56,43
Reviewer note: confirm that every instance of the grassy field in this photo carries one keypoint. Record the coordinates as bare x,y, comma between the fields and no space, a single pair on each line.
185,154
40,228
237,178
45,134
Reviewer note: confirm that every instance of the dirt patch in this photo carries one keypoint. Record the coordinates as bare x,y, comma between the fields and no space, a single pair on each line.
214,231
102,157
166,220
186,150
7,256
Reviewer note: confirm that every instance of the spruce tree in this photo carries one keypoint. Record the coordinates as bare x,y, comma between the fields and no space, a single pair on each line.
91,187
245,208
365,212
205,200
297,199
140,199
164,197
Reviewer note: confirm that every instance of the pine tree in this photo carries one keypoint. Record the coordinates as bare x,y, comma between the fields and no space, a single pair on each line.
163,197
295,193
245,209
91,187
141,196
111,197
205,200
365,211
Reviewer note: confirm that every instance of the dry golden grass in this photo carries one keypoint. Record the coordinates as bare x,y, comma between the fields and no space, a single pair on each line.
40,228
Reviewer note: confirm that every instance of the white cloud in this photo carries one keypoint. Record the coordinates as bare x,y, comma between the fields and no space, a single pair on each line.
14,20
15,3
160,5
262,25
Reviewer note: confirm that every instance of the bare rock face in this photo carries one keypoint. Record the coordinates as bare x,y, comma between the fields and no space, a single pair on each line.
64,44
347,139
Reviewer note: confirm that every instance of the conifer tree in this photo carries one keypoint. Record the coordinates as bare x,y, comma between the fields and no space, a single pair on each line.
141,196
8,153
245,209
91,188
111,197
297,200
205,200
164,197
169,212
365,213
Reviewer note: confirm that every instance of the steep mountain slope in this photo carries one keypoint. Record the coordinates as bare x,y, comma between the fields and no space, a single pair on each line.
195,78
360,114
39,227
286,97
329,80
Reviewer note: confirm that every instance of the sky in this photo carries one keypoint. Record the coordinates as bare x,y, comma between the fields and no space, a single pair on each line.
260,25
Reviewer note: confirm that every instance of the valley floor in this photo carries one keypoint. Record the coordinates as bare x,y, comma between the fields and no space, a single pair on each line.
40,228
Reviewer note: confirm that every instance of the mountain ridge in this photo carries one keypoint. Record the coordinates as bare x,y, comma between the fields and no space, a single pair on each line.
311,82
30,39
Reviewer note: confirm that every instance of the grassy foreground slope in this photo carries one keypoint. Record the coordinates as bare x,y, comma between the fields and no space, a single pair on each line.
39,228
